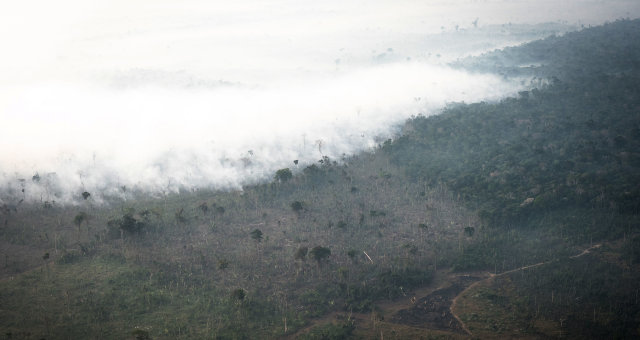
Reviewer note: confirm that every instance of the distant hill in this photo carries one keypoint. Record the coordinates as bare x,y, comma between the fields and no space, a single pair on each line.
605,50
563,157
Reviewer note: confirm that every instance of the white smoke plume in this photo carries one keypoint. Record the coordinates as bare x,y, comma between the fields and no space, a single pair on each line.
167,95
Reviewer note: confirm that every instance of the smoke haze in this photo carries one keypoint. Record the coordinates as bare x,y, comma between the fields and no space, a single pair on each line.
164,95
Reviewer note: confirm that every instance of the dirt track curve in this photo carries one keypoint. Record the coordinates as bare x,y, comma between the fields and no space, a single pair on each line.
493,276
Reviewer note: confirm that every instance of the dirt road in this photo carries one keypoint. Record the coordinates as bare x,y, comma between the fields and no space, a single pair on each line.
493,276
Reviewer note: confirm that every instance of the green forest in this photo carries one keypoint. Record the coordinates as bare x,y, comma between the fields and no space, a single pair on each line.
511,219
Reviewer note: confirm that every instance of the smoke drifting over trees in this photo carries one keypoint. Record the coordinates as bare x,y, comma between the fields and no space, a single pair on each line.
223,96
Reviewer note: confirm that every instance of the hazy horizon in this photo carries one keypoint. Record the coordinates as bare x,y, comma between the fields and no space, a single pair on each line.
163,95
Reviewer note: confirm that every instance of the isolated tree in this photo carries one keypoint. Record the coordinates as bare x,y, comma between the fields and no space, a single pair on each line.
220,211
129,224
469,231
238,294
86,195
180,218
319,143
204,208
325,161
297,207
319,253
223,264
301,253
80,218
256,235
283,175
352,253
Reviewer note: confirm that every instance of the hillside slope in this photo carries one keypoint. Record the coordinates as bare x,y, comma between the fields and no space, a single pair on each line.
480,187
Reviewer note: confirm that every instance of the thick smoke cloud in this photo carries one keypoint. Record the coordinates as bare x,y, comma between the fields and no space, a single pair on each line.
166,95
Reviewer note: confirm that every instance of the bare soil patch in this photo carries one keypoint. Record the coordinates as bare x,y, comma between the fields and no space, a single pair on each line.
434,310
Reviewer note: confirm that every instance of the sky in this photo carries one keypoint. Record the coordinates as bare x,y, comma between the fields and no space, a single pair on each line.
163,95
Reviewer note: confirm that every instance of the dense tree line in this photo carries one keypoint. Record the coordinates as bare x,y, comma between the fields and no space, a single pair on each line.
562,157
